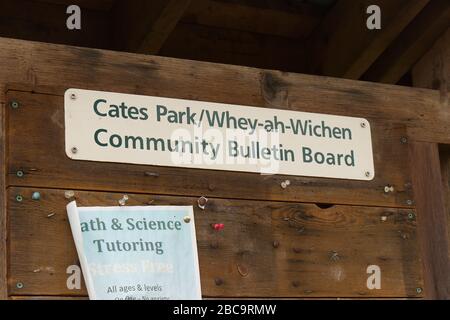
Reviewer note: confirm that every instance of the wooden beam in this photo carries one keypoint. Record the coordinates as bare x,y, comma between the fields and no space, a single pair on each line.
444,152
431,218
412,43
203,43
3,212
143,26
268,249
433,71
264,20
44,65
342,46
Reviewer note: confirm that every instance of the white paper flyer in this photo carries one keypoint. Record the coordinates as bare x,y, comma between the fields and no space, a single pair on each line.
137,253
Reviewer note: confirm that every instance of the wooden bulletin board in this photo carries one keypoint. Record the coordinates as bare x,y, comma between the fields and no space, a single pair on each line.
313,239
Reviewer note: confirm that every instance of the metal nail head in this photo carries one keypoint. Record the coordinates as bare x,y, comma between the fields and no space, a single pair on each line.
14,104
201,202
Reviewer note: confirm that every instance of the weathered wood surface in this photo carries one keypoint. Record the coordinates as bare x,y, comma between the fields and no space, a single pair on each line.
433,70
267,249
444,153
47,66
431,180
432,219
36,147
3,205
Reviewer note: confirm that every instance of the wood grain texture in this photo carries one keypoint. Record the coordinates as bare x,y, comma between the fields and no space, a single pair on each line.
55,68
432,183
432,219
267,249
3,209
46,298
48,66
444,154
36,147
433,70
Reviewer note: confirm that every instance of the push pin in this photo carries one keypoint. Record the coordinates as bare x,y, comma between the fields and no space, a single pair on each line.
69,194
36,196
201,202
218,226
285,184
124,200
187,219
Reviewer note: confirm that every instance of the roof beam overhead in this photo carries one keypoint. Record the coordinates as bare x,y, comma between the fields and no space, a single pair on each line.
143,26
412,43
283,21
343,46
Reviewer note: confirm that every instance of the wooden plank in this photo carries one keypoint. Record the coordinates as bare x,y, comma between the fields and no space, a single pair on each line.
229,46
444,153
293,24
342,46
411,44
36,147
267,249
54,68
145,25
40,21
3,212
45,298
433,71
432,219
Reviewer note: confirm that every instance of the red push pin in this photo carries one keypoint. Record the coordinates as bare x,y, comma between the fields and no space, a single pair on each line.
218,226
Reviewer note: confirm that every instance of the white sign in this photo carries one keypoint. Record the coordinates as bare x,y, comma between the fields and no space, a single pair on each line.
137,253
114,127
